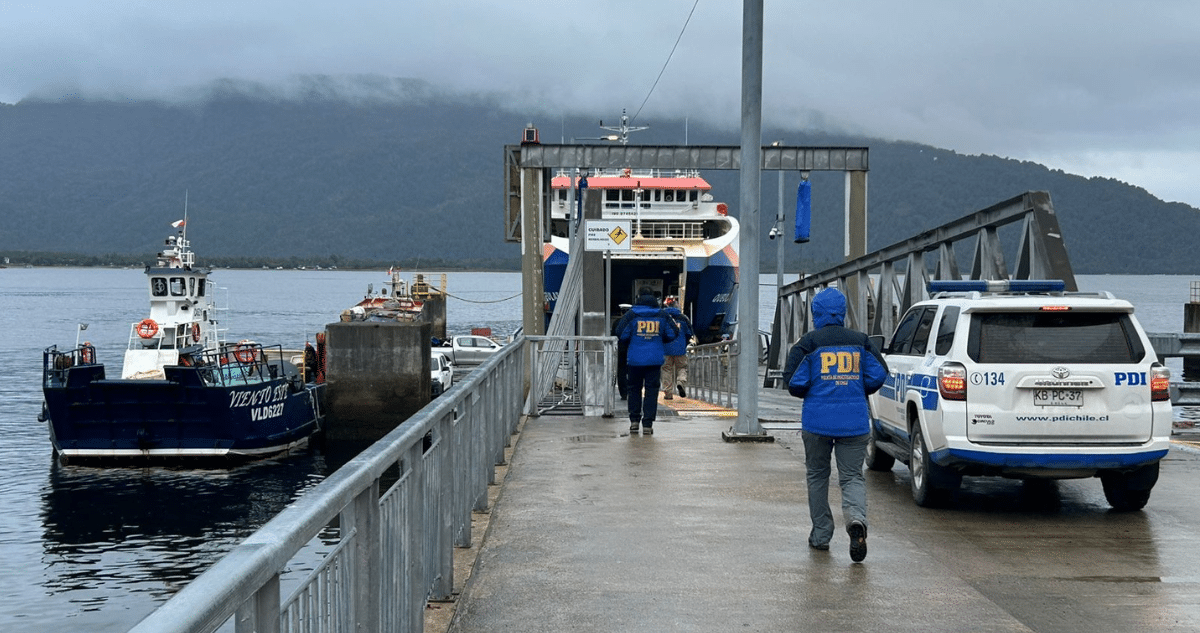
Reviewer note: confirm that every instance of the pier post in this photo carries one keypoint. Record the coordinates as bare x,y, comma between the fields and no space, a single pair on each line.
378,376
595,377
1191,324
747,427
434,311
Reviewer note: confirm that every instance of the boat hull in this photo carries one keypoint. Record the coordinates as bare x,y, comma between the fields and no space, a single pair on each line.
181,416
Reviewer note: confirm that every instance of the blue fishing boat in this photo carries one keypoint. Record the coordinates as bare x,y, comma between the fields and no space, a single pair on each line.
183,392
683,242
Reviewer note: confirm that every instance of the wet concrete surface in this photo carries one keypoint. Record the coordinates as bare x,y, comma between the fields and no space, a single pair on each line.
594,530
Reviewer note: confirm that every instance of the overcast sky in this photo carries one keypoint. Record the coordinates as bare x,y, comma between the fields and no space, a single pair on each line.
1093,87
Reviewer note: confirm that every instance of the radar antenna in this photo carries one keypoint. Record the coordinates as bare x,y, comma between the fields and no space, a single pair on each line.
622,131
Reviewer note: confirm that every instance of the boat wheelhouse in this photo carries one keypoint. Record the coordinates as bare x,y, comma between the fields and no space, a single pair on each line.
183,393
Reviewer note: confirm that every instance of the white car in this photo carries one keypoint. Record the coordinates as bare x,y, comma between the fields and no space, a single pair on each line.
441,374
473,350
1020,379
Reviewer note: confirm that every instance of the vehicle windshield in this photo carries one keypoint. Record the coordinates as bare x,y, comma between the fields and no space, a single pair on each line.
1053,337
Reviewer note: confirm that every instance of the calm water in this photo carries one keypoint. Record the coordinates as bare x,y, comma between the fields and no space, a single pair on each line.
89,549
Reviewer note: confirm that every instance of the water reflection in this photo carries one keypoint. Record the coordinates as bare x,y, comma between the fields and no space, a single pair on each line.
111,531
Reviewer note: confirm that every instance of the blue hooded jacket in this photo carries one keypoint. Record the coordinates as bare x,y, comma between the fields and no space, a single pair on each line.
647,332
834,369
678,347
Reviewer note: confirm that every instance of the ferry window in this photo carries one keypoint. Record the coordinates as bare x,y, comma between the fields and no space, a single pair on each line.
158,287
627,195
693,195
191,286
200,292
177,286
668,196
612,195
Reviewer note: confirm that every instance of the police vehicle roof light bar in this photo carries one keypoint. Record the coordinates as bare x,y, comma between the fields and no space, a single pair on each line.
998,285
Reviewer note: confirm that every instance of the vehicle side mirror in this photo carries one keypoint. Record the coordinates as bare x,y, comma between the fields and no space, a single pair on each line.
877,341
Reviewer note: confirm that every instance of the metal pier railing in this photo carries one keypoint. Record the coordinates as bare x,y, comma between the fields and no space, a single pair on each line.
395,549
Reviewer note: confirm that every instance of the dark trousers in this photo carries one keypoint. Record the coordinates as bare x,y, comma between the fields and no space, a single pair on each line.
622,369
643,393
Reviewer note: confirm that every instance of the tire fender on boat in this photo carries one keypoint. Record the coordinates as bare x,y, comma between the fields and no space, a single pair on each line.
195,332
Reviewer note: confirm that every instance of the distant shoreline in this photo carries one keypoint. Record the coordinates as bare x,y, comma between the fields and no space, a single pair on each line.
63,260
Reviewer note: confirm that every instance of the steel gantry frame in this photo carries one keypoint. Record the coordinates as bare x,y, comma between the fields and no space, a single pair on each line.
527,172
527,190
890,280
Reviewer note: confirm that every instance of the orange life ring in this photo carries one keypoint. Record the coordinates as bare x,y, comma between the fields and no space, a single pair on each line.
147,328
195,332
87,353
245,353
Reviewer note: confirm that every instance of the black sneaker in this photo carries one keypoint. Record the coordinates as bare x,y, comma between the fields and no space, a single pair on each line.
682,393
824,547
647,430
633,427
858,541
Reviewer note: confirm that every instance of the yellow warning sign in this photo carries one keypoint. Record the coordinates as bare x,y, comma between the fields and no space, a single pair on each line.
608,235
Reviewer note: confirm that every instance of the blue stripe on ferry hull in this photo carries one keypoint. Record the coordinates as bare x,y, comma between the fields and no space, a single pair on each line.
712,289
554,269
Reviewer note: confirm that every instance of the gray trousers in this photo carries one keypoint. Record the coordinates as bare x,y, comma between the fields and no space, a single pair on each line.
850,453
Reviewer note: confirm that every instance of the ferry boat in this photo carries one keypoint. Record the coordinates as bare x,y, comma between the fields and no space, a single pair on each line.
684,243
182,392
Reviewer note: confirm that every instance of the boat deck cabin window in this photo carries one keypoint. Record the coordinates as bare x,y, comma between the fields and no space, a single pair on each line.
178,288
158,287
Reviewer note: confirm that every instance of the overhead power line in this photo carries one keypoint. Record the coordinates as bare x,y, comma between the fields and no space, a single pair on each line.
664,68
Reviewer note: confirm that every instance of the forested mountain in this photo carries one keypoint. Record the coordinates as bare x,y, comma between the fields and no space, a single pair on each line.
418,181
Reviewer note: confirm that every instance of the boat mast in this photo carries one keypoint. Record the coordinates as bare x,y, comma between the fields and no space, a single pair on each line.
185,205
622,130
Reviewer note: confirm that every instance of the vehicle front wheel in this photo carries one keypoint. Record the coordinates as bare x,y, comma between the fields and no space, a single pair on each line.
1130,491
878,460
932,484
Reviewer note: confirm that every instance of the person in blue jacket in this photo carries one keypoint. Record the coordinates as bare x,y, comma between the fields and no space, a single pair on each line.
674,369
834,369
647,331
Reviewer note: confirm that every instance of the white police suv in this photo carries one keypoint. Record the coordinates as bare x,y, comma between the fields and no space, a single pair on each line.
1020,379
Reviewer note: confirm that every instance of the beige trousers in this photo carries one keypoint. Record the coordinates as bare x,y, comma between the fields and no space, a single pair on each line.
674,372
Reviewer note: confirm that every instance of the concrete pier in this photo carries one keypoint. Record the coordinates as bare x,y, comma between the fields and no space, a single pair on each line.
1191,325
595,530
378,376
